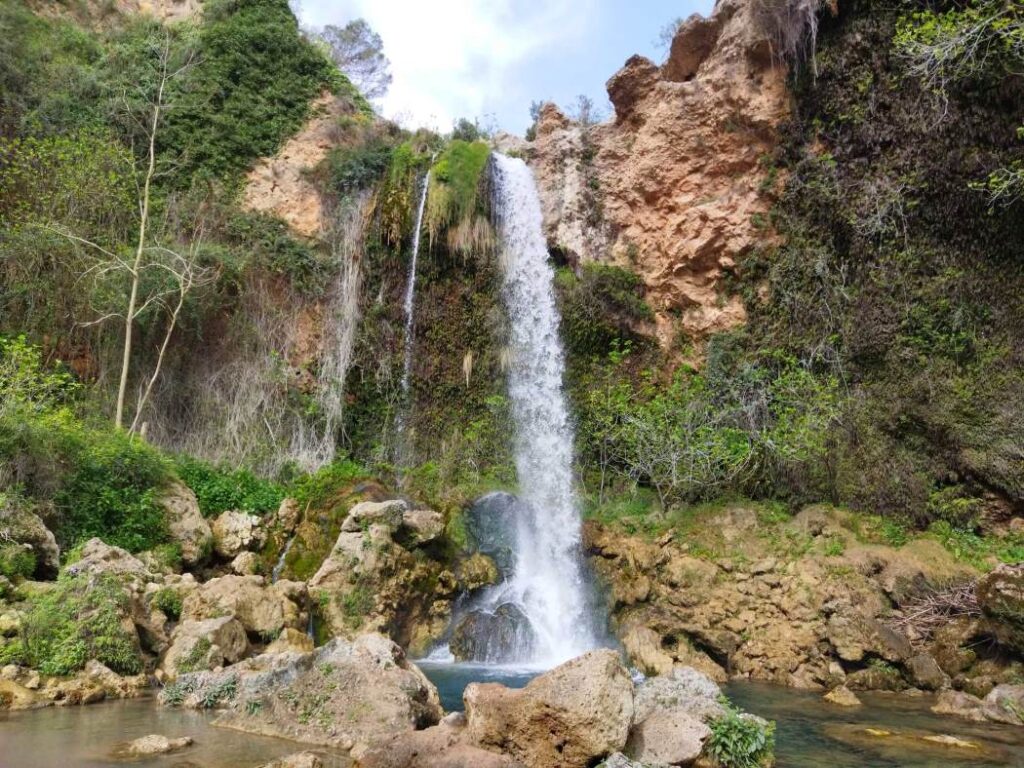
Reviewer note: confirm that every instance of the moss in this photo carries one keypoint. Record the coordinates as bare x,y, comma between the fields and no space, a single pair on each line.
168,601
455,180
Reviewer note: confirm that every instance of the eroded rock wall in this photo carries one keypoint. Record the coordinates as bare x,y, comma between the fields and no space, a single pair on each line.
673,187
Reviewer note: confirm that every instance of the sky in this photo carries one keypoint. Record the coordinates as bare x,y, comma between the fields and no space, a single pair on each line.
489,59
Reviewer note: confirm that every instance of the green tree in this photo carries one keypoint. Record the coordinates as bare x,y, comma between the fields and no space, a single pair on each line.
359,53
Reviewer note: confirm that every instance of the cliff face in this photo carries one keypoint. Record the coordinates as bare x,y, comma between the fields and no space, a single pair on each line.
672,187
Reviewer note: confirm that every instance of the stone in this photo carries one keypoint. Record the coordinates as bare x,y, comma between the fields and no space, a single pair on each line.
287,516
115,686
297,760
98,558
353,693
667,737
945,740
493,637
491,528
476,571
235,532
291,641
925,673
842,696
855,636
683,689
14,696
643,648
619,760
21,526
366,513
444,745
10,624
155,744
185,523
421,526
206,644
1001,598
262,609
876,678
960,704
570,716
246,564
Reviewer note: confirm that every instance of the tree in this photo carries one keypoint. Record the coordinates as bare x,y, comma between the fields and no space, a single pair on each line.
359,53
667,34
585,113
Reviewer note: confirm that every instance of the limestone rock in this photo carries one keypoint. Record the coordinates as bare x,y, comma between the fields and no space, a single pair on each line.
366,513
245,564
207,644
842,696
291,641
571,716
115,686
235,532
619,760
1001,597
287,516
99,558
643,647
421,526
185,523
491,637
298,760
263,610
24,527
924,672
444,745
477,570
353,693
156,744
667,737
855,636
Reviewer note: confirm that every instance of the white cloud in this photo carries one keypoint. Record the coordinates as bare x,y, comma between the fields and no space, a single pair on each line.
458,58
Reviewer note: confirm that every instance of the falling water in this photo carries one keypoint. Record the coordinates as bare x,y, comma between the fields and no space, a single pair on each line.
410,288
275,574
547,583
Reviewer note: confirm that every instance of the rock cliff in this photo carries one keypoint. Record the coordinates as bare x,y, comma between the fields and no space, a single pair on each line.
673,186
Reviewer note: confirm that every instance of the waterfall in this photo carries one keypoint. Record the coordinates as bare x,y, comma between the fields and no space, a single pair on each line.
275,574
409,306
547,583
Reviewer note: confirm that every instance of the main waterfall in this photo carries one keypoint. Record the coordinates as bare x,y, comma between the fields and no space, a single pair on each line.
547,584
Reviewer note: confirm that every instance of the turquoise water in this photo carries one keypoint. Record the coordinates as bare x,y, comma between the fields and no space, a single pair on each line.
451,679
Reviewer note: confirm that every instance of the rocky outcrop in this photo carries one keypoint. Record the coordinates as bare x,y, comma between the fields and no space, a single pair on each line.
98,558
235,532
263,610
1001,598
186,524
298,760
21,526
345,694
1003,704
571,716
208,644
675,186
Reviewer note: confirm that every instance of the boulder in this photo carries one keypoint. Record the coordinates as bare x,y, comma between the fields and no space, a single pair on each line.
115,686
573,715
245,564
298,760
287,516
262,609
100,559
924,672
21,526
186,524
155,744
493,637
842,696
207,644
444,745
235,532
1001,597
421,526
855,636
346,694
683,689
476,571
667,737
619,760
291,641
643,648
367,513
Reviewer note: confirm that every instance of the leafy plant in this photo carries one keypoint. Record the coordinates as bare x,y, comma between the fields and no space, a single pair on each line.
168,601
740,740
16,561
219,489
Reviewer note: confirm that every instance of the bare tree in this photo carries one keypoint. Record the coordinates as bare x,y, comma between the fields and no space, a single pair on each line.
667,34
359,53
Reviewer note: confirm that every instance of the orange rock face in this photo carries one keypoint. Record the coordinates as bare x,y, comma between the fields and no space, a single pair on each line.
673,187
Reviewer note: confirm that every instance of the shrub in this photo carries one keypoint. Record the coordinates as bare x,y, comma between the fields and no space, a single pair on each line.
82,618
16,561
219,490
740,740
600,305
316,489
193,660
168,601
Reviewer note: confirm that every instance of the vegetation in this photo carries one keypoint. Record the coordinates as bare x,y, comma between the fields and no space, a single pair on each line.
80,619
219,490
359,53
740,740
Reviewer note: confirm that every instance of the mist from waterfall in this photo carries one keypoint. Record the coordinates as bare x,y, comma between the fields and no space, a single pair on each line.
547,583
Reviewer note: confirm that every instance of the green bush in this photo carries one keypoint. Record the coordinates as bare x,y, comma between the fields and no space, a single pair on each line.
601,305
316,489
168,601
16,561
78,620
739,740
219,490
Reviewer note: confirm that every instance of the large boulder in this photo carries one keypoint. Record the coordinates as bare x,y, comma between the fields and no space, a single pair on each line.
346,694
683,689
185,523
98,558
573,715
493,636
1003,704
1001,597
421,527
20,526
854,637
263,609
367,513
208,644
491,526
235,532
667,737
442,746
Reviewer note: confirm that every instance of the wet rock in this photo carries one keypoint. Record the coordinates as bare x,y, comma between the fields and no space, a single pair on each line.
421,526
571,716
386,513
14,696
877,677
291,641
186,524
298,760
476,571
21,526
482,636
235,532
115,686
1001,597
842,696
924,672
491,526
667,737
207,644
1003,704
155,744
346,694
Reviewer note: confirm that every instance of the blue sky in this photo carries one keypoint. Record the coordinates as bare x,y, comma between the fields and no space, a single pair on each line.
490,59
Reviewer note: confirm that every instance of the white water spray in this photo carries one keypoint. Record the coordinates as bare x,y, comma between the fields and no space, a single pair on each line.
548,583
410,289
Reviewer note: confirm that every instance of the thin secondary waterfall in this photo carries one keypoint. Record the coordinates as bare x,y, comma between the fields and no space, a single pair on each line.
410,288
547,583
